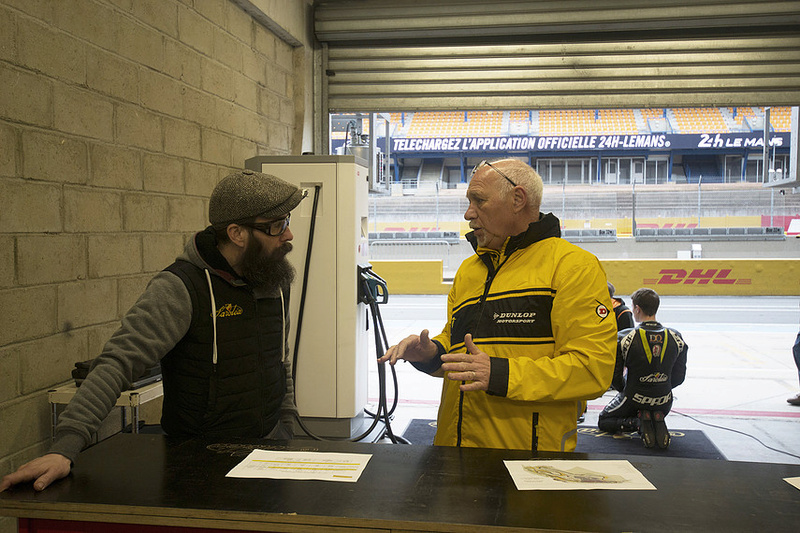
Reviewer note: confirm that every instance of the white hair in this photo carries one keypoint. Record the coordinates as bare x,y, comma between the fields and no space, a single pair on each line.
525,176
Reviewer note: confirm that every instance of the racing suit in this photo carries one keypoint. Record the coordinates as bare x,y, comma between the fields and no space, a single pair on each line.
655,358
539,307
622,313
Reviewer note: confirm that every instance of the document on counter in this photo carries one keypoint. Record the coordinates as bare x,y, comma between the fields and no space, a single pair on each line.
576,475
793,481
272,464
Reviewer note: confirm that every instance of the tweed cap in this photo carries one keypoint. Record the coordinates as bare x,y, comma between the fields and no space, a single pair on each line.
246,193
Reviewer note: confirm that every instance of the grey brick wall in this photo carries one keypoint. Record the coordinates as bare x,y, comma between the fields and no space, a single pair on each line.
117,118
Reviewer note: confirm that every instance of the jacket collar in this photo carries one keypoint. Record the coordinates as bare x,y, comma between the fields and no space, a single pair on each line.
203,252
547,226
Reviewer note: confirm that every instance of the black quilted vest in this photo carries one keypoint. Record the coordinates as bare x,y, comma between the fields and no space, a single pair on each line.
241,395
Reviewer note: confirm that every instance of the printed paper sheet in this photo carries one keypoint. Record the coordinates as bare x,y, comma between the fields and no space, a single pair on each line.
576,475
288,464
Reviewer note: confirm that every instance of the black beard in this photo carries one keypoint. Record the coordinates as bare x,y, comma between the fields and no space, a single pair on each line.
265,271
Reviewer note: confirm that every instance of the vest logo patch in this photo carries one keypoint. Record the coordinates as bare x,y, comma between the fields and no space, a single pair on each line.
602,311
229,310
515,318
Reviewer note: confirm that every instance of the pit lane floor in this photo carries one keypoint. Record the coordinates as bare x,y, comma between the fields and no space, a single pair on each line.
740,370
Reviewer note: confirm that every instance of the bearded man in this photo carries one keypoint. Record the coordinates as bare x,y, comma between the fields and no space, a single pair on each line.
216,320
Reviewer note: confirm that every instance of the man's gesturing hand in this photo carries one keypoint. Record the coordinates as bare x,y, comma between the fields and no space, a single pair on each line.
414,348
41,471
474,367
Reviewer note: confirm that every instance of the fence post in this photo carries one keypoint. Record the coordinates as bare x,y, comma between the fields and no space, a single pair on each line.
633,210
699,183
437,205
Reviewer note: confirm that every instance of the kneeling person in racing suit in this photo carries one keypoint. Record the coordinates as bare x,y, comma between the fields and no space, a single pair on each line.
655,360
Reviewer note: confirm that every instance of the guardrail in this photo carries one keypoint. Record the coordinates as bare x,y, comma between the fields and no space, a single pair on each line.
572,235
770,233
589,235
415,236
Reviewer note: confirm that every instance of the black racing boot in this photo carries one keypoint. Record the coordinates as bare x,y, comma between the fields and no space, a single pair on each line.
662,433
647,429
630,425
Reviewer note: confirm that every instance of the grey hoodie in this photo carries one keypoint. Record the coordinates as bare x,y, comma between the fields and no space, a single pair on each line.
150,329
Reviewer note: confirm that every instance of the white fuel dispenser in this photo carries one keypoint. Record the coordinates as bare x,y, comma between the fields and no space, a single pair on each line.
332,364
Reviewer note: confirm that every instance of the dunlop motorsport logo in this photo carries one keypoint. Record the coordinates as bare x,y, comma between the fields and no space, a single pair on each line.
675,276
515,318
229,310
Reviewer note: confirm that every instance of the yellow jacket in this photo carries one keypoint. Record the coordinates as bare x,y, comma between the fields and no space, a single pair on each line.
540,309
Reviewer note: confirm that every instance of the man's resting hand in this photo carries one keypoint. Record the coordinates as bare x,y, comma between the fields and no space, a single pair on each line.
42,471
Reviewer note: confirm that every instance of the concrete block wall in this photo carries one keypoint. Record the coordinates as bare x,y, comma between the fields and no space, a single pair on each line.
117,119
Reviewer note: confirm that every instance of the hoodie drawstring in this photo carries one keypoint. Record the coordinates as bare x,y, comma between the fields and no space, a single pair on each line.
214,317
283,327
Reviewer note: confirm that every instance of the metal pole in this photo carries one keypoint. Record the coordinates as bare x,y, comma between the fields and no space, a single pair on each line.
699,202
387,160
373,150
633,210
771,206
437,205
725,169
744,166
765,151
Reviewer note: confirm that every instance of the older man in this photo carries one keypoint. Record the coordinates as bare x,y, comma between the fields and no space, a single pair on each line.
530,335
216,320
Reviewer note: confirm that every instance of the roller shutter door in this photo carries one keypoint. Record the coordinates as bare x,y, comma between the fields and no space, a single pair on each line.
439,55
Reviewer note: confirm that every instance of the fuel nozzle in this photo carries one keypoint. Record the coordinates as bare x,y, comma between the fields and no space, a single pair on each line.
371,287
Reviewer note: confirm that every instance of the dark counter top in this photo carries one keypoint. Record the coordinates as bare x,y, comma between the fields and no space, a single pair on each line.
152,479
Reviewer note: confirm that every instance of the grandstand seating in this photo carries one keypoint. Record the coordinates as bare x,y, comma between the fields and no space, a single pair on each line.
741,113
653,112
582,121
699,120
655,120
780,118
519,116
585,121
456,124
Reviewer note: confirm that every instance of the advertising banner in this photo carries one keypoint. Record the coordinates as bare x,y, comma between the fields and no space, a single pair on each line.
596,143
674,277
710,277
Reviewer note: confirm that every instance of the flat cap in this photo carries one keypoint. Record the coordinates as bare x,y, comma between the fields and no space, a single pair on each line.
247,193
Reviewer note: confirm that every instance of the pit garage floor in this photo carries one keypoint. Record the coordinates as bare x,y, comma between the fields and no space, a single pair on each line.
740,370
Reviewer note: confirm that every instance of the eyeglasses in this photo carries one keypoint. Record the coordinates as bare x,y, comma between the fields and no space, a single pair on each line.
485,162
273,228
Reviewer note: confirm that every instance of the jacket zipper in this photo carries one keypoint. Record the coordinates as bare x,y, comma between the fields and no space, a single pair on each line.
491,274
261,364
